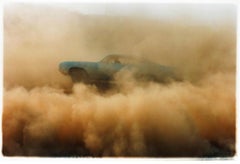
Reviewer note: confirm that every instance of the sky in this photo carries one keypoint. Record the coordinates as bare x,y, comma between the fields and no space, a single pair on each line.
204,12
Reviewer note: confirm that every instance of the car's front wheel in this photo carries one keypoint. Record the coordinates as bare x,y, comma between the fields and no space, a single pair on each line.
79,75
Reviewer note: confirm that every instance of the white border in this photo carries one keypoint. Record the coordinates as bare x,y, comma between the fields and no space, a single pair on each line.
123,1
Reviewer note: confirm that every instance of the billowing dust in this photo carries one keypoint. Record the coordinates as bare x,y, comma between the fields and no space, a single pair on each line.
192,118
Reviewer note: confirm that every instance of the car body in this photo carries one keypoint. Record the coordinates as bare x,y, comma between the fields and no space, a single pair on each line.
104,70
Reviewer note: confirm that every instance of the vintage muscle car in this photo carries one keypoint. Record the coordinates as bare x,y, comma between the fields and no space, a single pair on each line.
104,70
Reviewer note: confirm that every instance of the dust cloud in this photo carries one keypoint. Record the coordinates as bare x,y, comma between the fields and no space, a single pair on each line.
192,118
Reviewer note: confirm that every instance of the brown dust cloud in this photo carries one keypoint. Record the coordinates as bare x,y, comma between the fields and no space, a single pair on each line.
192,118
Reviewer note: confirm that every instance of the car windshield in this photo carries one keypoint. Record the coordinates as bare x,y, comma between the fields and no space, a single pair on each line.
119,59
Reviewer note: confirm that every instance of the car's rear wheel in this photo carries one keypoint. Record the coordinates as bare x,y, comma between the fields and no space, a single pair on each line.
79,75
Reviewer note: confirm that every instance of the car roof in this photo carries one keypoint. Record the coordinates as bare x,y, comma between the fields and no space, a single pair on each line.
125,57
115,56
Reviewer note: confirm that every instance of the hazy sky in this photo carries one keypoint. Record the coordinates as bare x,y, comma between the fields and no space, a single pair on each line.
209,13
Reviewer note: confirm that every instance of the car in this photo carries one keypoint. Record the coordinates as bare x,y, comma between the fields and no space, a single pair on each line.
104,71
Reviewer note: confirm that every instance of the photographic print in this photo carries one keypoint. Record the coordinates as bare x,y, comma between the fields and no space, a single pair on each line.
119,80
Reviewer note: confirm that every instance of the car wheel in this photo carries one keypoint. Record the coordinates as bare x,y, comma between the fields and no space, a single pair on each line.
78,75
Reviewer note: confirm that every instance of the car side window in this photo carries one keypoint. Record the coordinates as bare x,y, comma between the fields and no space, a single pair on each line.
114,61
117,61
